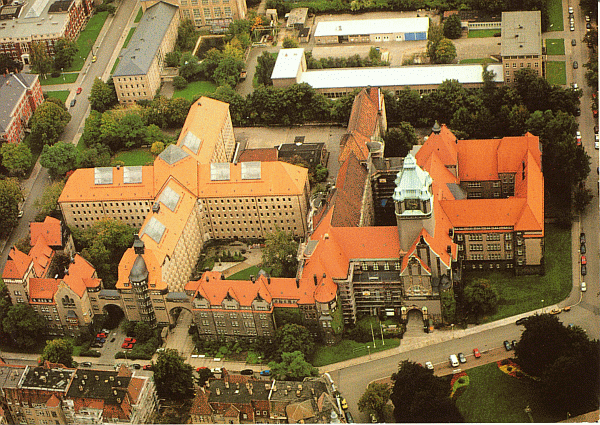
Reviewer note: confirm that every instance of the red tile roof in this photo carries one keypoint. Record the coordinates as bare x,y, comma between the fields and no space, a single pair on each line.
350,186
260,154
42,288
50,229
362,125
201,406
81,275
17,264
42,255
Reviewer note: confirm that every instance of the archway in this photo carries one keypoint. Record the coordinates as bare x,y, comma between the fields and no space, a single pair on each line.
112,316
414,324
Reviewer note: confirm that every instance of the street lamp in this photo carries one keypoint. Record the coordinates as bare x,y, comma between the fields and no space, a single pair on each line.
542,306
62,71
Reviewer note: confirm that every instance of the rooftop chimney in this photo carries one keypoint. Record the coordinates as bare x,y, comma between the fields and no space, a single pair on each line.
315,279
298,282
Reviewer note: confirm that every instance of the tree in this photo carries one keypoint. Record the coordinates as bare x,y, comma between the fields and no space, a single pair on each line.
228,71
264,68
400,140
65,51
102,96
103,244
58,351
452,27
48,203
292,367
143,331
47,124
445,51
289,43
420,396
480,297
94,157
179,83
279,254
8,64
293,337
59,158
55,100
10,197
16,157
582,197
186,35
191,70
434,35
24,326
374,400
40,60
157,148
172,58
173,377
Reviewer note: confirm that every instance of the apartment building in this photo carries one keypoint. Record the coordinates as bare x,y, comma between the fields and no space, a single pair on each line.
20,95
213,15
521,43
137,76
372,30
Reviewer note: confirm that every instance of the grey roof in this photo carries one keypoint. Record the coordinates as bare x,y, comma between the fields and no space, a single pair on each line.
10,376
172,154
146,40
109,294
169,198
56,379
36,21
12,87
177,296
139,271
521,33
457,191
412,182
132,174
103,175
99,384
192,142
155,229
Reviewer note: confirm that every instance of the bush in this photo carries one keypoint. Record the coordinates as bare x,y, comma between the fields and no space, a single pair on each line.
179,83
55,74
120,355
90,353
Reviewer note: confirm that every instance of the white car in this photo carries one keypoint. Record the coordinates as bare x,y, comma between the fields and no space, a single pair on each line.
578,137
583,287
570,9
429,365
597,144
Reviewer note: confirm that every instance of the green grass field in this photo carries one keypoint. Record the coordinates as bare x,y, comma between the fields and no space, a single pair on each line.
139,15
59,94
348,349
68,79
493,396
245,274
478,60
555,46
483,33
556,72
141,156
126,43
519,294
194,89
555,15
112,71
87,38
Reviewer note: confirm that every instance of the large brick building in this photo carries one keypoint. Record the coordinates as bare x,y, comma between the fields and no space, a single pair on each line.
214,15
20,95
522,43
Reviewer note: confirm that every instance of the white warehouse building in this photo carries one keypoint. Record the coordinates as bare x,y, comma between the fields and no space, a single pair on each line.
371,30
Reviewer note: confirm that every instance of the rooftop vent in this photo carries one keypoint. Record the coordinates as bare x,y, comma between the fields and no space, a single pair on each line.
218,391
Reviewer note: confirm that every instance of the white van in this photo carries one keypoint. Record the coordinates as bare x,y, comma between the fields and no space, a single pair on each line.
453,360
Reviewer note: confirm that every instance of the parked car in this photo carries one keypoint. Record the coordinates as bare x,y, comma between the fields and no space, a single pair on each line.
349,418
583,259
247,372
575,65
583,270
583,287
555,311
453,360
127,345
507,346
344,403
131,340
136,366
101,335
94,59
582,248
147,367
101,340
571,9
572,28
462,358
578,137
588,26
476,353
200,368
86,364
112,339
514,343
587,18
265,372
216,370
73,102
79,90
577,112
582,237
96,345
429,365
574,42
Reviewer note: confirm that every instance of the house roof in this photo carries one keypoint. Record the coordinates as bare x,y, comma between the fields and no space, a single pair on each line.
146,40
350,186
200,406
260,154
362,124
50,229
42,288
371,26
16,265
81,275
521,33
42,256
152,264
287,64
12,89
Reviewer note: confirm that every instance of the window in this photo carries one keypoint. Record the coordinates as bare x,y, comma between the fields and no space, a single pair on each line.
207,15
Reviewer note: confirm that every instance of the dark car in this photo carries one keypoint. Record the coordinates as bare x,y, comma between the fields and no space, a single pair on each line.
521,321
514,343
101,340
582,248
583,270
247,372
582,237
507,346
112,339
575,65
462,358
349,418
577,112
136,366
588,26
73,102
96,345
574,42
86,364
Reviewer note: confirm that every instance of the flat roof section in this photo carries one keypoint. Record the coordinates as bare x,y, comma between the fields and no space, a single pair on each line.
401,76
287,63
371,26
521,33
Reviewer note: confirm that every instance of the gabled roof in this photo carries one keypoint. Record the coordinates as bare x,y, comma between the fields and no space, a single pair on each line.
259,154
50,229
362,124
42,288
350,186
443,145
201,406
17,264
42,256
81,275
152,264
12,88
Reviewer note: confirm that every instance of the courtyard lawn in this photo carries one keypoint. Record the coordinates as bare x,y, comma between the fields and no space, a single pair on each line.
555,15
494,396
86,40
139,15
519,294
349,349
63,79
555,46
245,274
195,89
141,156
126,43
556,72
483,33
58,94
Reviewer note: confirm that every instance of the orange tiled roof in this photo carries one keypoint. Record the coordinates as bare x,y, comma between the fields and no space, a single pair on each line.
53,401
205,120
277,178
81,275
243,291
42,288
478,159
17,264
201,406
134,389
185,171
42,256
80,187
350,186
260,154
442,144
50,229
152,264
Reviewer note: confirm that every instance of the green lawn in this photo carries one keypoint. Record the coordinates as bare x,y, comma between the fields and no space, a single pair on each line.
141,156
556,72
63,79
87,38
112,71
484,33
555,46
139,15
348,349
493,396
126,43
194,89
245,274
519,294
59,94
477,60
555,15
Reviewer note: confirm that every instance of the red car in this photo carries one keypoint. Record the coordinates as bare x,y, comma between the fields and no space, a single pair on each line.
201,367
79,90
147,367
130,340
476,353
583,259
127,345
101,335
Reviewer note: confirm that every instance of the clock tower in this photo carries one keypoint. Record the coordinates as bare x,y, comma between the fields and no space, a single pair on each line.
413,199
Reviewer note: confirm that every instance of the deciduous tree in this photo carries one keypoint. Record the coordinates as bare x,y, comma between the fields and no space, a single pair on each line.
452,28
10,197
65,51
480,297
289,43
264,68
59,158
7,64
293,337
48,203
58,351
292,367
400,140
173,376
102,96
47,124
186,35
24,326
40,60
374,400
445,51
16,157
279,254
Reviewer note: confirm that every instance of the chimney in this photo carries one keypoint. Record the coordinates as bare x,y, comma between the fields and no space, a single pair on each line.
298,392
298,283
252,278
227,384
285,392
315,279
436,128
250,391
207,278
218,391
269,280
138,245
324,275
